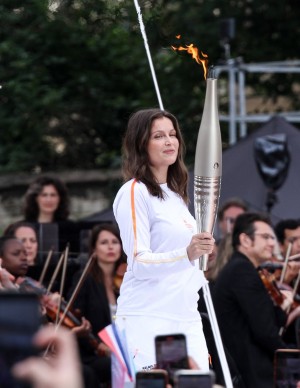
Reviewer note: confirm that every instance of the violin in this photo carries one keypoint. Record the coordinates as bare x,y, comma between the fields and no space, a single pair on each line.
56,311
119,275
271,284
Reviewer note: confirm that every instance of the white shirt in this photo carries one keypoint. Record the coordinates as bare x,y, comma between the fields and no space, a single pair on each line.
160,280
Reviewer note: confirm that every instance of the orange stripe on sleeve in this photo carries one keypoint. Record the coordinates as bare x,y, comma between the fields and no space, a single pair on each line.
133,218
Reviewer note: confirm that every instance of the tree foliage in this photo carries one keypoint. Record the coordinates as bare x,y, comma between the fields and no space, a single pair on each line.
72,71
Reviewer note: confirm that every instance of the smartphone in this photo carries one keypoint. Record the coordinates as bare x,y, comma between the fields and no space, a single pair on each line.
286,368
19,321
193,379
171,353
157,378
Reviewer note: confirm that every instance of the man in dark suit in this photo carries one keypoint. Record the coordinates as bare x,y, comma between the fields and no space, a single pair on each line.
249,321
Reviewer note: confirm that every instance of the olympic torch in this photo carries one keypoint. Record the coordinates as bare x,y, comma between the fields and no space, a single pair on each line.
208,164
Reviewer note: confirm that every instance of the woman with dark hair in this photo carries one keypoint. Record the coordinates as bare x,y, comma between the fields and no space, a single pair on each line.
46,200
26,232
97,297
159,293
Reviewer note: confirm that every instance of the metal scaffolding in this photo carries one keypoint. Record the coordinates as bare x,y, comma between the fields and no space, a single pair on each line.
237,116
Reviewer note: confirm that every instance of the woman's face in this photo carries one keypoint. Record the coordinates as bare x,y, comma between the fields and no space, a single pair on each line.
163,144
28,237
14,258
48,200
108,248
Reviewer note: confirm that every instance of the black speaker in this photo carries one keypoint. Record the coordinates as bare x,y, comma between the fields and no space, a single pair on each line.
272,159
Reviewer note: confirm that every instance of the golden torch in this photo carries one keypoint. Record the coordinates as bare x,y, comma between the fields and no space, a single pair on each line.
208,164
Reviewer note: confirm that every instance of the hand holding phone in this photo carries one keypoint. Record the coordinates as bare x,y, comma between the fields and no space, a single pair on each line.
286,368
171,353
156,378
193,379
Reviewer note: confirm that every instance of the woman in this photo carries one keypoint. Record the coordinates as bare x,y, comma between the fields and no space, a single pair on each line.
27,233
159,292
46,200
97,297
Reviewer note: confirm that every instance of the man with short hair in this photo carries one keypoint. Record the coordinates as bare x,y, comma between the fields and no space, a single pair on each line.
228,213
249,321
288,236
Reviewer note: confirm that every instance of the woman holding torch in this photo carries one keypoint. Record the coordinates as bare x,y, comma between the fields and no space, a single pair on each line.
159,292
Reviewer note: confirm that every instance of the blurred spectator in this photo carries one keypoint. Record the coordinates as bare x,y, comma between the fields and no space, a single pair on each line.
228,212
61,370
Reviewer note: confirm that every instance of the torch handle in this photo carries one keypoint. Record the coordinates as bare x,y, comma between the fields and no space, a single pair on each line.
206,201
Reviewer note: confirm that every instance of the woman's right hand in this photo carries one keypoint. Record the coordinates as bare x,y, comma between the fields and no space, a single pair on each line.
201,244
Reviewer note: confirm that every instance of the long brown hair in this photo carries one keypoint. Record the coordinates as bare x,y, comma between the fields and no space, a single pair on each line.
136,159
31,208
96,271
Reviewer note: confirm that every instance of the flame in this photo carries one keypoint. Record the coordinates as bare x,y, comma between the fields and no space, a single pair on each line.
191,49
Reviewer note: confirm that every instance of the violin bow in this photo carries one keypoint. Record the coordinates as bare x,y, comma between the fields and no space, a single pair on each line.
62,281
46,265
77,288
286,262
55,273
294,257
296,284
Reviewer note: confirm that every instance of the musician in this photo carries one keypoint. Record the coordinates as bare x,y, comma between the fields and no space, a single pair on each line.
14,266
13,256
47,201
98,294
27,233
288,235
249,322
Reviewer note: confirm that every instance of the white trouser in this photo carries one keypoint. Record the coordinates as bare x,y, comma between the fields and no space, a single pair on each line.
140,333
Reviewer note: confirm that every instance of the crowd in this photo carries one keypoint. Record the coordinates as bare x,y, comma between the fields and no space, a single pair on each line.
143,274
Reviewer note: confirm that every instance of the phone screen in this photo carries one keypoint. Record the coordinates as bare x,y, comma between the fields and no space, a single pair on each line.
151,379
193,379
19,321
287,368
171,353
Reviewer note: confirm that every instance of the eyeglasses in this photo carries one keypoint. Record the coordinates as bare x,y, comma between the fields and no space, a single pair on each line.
293,239
265,236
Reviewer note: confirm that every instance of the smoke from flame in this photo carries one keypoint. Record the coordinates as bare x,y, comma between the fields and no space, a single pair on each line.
201,59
